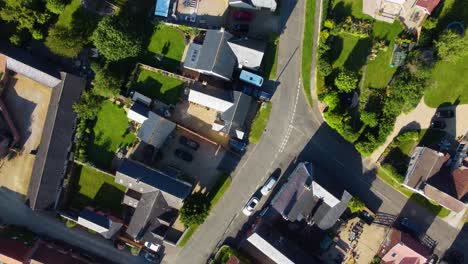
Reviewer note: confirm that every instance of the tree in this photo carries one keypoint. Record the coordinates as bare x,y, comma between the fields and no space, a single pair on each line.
106,83
115,41
355,205
369,118
88,107
346,81
408,135
430,23
15,39
195,209
55,6
24,14
63,41
325,67
451,46
332,100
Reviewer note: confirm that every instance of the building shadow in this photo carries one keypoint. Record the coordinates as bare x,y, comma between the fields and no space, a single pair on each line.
456,253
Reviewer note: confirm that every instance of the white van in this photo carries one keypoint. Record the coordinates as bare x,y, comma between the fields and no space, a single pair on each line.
268,186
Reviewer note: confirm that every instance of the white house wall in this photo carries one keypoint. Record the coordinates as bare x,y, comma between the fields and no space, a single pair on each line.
209,101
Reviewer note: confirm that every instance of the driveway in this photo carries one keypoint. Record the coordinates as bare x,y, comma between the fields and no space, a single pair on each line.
14,211
420,118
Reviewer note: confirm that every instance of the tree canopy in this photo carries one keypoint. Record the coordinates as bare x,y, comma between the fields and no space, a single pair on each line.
451,46
88,107
114,41
355,205
346,81
369,118
65,42
195,209
106,83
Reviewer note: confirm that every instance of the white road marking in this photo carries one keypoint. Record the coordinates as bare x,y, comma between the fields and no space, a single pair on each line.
291,119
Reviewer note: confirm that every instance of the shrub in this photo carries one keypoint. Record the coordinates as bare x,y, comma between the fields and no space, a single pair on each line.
408,135
346,81
65,42
195,209
135,251
355,205
15,39
70,224
332,99
329,23
115,41
325,67
106,83
55,6
369,118
451,46
88,107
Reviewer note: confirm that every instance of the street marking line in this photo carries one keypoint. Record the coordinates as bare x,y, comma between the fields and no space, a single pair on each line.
291,119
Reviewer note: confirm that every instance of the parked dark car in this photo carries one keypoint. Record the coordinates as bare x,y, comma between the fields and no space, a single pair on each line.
248,90
237,146
151,258
438,124
189,143
183,155
368,218
444,114
261,95
242,15
241,28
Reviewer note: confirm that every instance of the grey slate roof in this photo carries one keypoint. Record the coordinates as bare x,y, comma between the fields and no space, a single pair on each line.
30,66
140,178
56,140
140,108
249,52
297,201
236,115
155,130
149,207
424,164
215,55
93,219
193,55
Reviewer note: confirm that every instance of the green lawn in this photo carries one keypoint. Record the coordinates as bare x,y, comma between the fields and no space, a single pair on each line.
188,234
344,8
66,17
98,190
159,86
225,252
448,84
260,122
350,52
379,72
110,133
271,58
307,48
219,188
169,42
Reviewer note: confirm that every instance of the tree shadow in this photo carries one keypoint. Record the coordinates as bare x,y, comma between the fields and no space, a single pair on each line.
341,11
166,48
153,88
358,56
336,46
100,155
109,198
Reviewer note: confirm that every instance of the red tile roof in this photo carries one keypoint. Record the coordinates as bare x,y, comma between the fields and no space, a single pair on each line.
460,180
14,249
430,5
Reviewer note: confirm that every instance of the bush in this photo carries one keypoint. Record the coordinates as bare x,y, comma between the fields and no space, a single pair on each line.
55,6
324,67
15,39
70,224
408,135
329,23
65,42
451,46
135,251
355,205
195,209
332,99
106,83
369,118
346,81
115,41
88,107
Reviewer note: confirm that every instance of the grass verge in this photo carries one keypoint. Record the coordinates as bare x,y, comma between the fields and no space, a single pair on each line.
188,234
307,48
271,58
260,122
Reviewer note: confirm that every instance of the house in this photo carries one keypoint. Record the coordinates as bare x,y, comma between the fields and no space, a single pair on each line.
14,252
232,108
138,112
138,97
411,13
98,222
56,141
254,4
266,245
155,130
460,169
302,198
221,52
155,196
425,167
162,8
399,247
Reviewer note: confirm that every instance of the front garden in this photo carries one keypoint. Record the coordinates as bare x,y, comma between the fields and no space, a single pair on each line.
96,189
260,122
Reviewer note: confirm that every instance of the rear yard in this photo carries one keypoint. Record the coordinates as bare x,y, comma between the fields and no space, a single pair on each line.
110,132
96,189
27,102
168,42
158,86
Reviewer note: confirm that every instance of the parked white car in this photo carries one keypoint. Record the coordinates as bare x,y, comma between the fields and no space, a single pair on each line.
268,186
250,206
